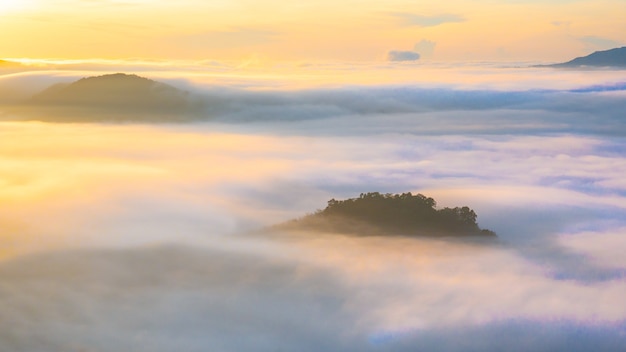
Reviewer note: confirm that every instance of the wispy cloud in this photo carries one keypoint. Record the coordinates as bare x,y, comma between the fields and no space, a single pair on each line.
425,47
230,38
411,19
565,24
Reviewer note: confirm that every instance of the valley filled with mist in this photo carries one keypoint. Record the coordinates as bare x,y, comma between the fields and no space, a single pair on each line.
134,224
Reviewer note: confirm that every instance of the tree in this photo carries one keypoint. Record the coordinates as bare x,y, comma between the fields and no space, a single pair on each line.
400,213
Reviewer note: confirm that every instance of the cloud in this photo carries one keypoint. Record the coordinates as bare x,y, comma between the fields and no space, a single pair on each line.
410,19
142,236
561,23
605,248
173,297
425,48
612,87
231,38
231,104
398,55
391,293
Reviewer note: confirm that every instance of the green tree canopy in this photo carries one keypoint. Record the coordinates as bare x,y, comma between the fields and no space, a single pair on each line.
403,213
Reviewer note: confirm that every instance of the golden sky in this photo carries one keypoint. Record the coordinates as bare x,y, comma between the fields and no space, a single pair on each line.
323,30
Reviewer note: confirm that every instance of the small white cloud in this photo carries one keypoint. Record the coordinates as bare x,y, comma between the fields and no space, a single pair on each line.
231,38
425,48
410,19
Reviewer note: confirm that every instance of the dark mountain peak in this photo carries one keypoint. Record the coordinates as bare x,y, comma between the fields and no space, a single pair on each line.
115,86
118,92
118,76
607,58
121,79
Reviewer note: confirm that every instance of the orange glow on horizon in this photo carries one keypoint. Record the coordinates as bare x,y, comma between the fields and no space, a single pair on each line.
326,31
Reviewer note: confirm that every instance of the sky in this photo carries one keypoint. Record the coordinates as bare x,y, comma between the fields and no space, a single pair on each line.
303,31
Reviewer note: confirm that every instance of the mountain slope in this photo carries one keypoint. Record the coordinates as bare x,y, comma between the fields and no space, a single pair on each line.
608,58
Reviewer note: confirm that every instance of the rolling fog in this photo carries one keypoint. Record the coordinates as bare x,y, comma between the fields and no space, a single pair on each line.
143,237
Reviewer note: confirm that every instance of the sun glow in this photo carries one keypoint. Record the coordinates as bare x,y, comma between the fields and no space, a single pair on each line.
13,5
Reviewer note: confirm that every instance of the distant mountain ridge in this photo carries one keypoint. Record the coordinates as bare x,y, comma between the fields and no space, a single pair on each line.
607,58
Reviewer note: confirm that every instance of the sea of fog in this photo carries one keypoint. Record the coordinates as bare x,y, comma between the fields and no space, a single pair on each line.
143,237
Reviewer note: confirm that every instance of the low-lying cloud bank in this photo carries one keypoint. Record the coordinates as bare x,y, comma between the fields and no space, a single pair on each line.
140,236
108,199
362,296
445,109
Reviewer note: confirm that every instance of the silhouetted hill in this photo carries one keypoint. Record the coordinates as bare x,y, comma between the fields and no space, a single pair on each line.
115,93
608,58
113,90
390,214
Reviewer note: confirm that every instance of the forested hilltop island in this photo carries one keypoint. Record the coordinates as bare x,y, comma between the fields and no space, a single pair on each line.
390,214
